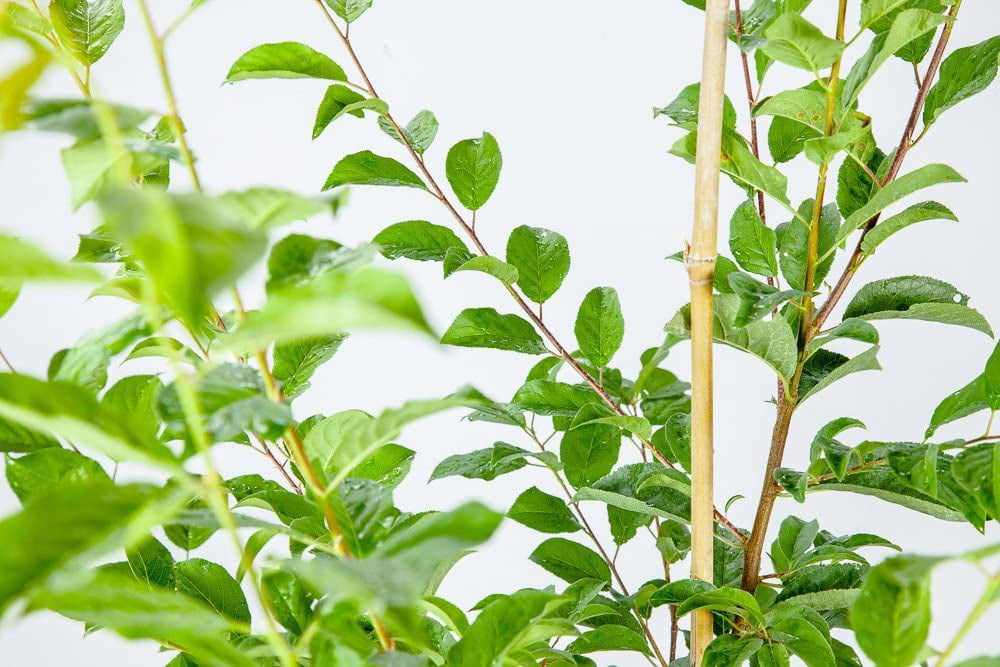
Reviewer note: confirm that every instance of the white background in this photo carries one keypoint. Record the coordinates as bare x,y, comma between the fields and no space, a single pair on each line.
567,88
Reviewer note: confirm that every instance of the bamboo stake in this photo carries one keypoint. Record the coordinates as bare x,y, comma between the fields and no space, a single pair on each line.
700,261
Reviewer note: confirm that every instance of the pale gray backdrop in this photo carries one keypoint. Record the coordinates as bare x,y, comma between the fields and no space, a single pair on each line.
567,87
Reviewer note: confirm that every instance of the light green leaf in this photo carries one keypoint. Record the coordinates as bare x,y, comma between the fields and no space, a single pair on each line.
337,101
907,27
77,117
367,168
624,502
600,326
19,16
609,638
915,298
964,73
473,169
72,413
296,360
86,363
209,583
349,10
771,341
543,512
165,347
793,242
977,468
330,305
928,210
284,60
485,327
38,473
547,397
417,239
752,242
486,464
794,41
135,610
541,258
892,615
684,109
968,400
87,28
639,426
570,561
739,163
151,562
419,132
795,538
459,259
866,361
69,526
24,261
802,105
267,208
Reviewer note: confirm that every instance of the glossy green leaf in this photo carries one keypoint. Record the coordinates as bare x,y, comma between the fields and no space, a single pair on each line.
794,41
609,638
600,326
964,73
24,261
892,615
459,259
977,468
40,472
486,464
589,453
915,298
793,244
505,625
209,583
757,299
795,538
991,379
866,361
417,239
349,10
367,168
543,512
152,563
541,258
337,101
547,397
289,599
753,243
284,60
295,361
473,169
485,327
570,561
968,400
726,650
917,213
87,28
419,132
771,341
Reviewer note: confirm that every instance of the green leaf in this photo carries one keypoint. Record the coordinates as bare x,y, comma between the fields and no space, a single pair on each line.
419,132
547,397
288,598
9,291
771,341
752,242
16,438
299,258
793,482
19,16
855,186
600,326
367,168
330,305
506,624
787,138
589,452
793,245
210,583
977,468
928,210
991,379
337,101
915,298
86,363
473,169
804,639
485,327
190,245
67,411
41,472
853,329
725,599
964,73
795,538
740,164
349,10
805,106
284,60
639,426
966,401
417,239
609,638
684,109
133,399
24,261
459,259
165,347
387,465
727,650
892,615
135,610
231,399
757,299
151,562
267,208
541,258
837,455
796,42
67,527
907,27
866,361
87,28
543,512
76,117
570,561
486,464
295,361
